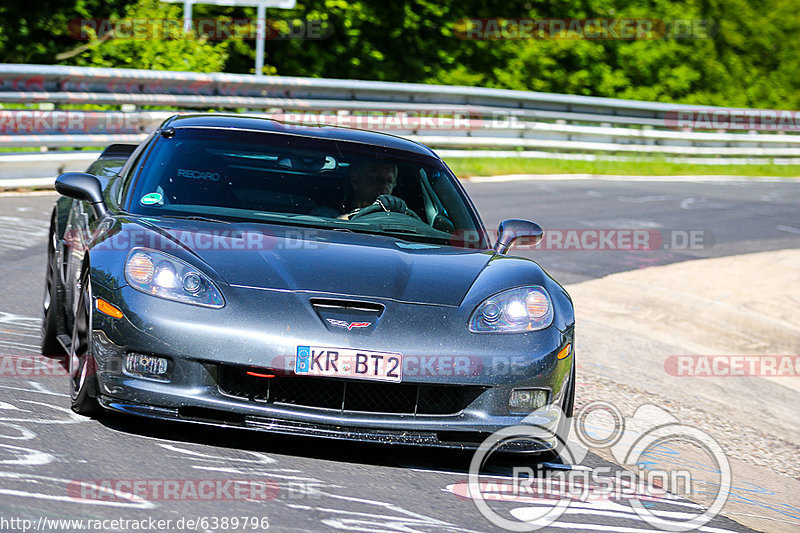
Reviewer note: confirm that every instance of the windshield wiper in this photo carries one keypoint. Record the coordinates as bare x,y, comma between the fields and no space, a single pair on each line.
411,235
399,230
195,217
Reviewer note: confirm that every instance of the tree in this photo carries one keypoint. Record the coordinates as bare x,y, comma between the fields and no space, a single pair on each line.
149,36
34,32
749,57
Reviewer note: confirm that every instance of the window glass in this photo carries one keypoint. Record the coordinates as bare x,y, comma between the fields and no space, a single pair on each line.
289,179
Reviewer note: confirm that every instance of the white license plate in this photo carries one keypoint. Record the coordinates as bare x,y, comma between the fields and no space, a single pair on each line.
348,363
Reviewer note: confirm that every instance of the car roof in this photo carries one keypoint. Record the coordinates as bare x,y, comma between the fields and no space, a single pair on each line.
268,125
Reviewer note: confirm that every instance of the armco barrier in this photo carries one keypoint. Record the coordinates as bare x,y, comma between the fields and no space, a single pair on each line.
498,120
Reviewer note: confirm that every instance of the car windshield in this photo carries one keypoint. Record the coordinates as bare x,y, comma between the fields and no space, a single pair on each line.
296,180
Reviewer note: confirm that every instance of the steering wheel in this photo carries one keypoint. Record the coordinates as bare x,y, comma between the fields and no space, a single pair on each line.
388,204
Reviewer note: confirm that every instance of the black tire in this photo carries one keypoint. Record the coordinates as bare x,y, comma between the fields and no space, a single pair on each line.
82,368
563,424
51,304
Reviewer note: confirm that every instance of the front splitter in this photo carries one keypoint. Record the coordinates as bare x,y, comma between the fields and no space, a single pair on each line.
222,419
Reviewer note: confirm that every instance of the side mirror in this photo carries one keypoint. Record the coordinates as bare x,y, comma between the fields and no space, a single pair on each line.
84,187
516,231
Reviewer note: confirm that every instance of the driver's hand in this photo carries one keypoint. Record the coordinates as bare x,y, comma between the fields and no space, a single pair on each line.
391,203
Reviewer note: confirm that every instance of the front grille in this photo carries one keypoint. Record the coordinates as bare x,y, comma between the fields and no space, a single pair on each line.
347,395
311,393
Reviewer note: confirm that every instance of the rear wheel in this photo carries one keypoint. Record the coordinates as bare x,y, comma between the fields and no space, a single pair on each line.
51,305
82,376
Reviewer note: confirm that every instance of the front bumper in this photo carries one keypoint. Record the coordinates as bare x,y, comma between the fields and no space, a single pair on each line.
199,342
460,440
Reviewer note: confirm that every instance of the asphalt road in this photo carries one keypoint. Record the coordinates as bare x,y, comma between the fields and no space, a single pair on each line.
46,451
726,218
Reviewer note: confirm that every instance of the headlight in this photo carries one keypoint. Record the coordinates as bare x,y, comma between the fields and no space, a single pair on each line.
168,277
513,311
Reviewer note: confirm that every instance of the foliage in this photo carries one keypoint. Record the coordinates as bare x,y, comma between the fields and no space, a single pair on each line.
154,45
748,57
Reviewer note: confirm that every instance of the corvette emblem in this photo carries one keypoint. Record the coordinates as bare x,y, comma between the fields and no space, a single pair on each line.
348,325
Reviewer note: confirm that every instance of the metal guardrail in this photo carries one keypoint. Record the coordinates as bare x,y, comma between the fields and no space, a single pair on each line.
76,81
39,169
93,122
498,119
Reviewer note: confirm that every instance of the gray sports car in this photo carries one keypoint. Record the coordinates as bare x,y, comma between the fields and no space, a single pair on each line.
322,281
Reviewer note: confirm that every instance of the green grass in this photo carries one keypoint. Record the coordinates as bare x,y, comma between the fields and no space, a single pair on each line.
465,167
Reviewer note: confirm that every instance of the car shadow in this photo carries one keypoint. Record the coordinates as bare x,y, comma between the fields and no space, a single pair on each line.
323,449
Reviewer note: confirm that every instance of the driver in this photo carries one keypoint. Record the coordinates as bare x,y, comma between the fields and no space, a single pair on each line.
372,183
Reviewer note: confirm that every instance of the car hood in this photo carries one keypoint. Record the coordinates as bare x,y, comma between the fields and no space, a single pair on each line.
335,262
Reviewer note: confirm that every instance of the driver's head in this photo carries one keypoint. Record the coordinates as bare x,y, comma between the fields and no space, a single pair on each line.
370,179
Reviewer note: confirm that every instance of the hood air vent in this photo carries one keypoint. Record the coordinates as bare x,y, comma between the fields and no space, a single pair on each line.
353,317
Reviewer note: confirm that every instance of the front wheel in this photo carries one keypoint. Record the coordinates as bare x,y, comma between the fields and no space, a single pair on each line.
564,422
82,378
51,304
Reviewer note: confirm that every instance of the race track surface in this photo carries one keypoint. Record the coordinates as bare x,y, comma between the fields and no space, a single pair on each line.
318,485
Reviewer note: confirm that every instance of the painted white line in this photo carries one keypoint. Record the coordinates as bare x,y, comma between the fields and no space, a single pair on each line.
19,234
258,457
132,501
537,154
621,177
788,229
17,333
591,526
72,418
36,391
404,520
25,322
52,193
38,387
23,345
24,433
26,456
27,182
626,223
10,346
260,472
643,199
